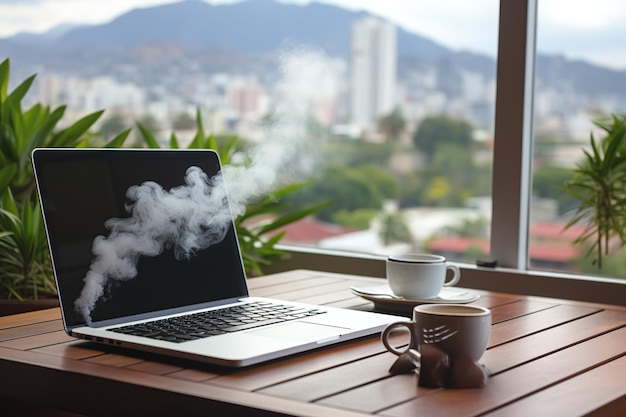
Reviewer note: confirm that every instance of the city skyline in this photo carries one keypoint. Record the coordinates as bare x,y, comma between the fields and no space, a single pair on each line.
590,31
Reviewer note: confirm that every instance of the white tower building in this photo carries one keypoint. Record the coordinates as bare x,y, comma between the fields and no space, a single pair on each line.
373,71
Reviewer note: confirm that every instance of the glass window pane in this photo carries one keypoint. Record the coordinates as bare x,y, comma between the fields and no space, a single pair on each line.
580,79
395,98
409,163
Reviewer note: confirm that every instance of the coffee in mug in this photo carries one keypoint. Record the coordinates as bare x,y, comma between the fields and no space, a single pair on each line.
419,276
447,340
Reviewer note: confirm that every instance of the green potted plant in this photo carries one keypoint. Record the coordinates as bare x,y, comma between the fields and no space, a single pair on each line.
25,271
599,184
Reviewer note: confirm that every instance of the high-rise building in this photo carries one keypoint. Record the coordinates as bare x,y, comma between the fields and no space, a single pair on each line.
373,72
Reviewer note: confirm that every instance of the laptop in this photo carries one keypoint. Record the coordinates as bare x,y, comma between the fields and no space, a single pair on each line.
145,256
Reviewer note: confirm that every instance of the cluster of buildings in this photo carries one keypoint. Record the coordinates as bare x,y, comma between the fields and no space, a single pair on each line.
369,86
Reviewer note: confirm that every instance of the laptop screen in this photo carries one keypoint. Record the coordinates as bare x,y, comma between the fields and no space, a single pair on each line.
134,231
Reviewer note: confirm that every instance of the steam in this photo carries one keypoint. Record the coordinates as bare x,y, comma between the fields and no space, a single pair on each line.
288,151
185,219
194,216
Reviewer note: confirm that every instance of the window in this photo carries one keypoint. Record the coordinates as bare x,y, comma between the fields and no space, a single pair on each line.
398,186
511,183
579,78
410,163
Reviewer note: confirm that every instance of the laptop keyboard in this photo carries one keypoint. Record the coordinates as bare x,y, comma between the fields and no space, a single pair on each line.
215,322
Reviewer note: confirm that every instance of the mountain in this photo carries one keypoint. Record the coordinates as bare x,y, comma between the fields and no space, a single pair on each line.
253,26
46,37
249,31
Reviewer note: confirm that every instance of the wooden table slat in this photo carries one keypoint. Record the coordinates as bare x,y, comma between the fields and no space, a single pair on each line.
29,318
508,355
287,278
36,341
577,396
379,395
74,349
299,289
517,309
532,323
30,329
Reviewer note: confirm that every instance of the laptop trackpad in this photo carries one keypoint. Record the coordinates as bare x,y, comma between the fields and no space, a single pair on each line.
300,330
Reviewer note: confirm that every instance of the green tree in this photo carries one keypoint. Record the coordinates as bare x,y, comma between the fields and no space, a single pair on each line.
392,125
452,176
436,131
355,152
470,228
357,219
548,181
394,228
349,189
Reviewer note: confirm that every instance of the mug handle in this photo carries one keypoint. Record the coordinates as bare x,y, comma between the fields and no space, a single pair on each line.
456,275
384,337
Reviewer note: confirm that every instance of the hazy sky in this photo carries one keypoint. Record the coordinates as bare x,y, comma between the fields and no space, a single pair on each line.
576,28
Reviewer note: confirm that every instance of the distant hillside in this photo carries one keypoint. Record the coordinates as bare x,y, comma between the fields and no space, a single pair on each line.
244,32
253,26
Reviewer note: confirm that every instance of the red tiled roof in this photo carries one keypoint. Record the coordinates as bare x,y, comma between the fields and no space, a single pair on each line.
458,244
562,251
311,230
556,231
554,253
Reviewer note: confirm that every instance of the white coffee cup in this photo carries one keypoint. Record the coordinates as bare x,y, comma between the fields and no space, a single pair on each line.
417,276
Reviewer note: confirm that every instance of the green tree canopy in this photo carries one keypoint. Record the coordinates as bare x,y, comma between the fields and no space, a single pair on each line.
438,131
350,189
392,125
452,176
354,152
548,182
394,228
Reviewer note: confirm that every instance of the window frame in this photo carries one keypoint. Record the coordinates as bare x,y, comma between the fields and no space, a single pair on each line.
511,188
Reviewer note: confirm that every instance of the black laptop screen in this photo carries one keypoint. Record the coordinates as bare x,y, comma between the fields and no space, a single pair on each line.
135,231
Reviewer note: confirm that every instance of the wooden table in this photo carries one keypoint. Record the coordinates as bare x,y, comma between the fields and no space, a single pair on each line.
547,357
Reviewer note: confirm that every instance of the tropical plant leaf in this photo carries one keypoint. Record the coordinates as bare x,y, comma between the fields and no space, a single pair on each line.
7,173
293,216
4,80
118,141
599,184
174,141
20,91
148,137
71,135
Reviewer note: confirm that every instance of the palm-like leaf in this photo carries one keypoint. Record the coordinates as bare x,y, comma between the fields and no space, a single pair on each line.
24,264
599,184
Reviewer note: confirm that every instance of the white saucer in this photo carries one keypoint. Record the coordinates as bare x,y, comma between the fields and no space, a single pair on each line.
384,299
